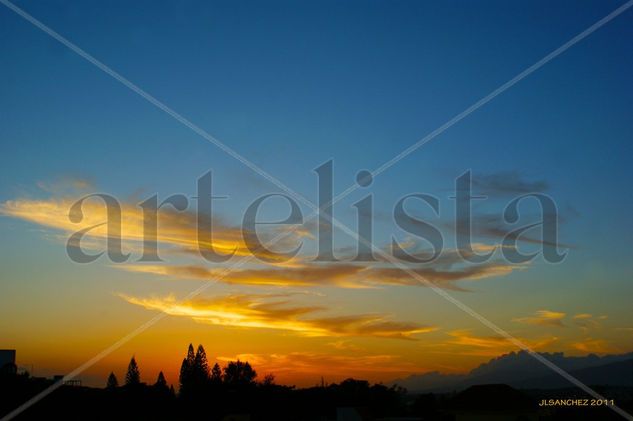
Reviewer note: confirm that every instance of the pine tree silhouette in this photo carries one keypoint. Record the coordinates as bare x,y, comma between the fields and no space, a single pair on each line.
183,379
201,366
112,383
190,355
186,370
216,374
160,381
133,375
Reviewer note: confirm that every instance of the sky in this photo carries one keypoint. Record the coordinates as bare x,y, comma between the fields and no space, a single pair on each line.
291,86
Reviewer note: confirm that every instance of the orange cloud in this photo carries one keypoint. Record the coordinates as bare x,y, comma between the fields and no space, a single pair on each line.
175,229
344,275
594,346
463,337
493,345
543,318
309,367
298,275
271,312
177,233
344,346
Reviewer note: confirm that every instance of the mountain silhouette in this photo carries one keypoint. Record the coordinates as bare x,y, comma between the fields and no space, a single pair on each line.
613,374
521,370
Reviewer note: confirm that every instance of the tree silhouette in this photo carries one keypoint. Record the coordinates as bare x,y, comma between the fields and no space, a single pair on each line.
200,366
184,375
269,380
133,375
190,355
231,390
112,383
186,370
160,381
161,386
238,373
216,374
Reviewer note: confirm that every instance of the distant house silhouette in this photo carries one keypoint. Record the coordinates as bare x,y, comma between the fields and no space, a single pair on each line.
492,402
7,361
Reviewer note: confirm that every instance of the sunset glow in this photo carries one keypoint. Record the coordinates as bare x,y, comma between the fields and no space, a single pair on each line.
388,194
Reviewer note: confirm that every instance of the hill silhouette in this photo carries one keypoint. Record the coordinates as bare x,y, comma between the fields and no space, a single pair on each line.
521,370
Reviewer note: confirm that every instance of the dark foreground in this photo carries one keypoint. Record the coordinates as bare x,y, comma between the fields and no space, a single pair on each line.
349,400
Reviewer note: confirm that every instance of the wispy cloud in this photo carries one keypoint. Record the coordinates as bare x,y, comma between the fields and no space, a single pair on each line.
595,346
176,229
276,312
342,345
66,185
543,318
338,274
302,276
464,337
506,183
587,321
177,237
443,278
492,226
492,345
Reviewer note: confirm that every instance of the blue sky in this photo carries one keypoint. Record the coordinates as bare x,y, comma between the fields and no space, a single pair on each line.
290,85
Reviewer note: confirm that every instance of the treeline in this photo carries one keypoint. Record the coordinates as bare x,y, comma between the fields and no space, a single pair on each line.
196,377
208,392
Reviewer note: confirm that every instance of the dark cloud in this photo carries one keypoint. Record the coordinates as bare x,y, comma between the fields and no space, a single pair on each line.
506,183
344,275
